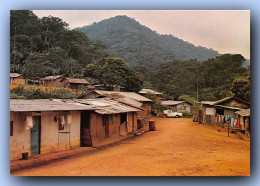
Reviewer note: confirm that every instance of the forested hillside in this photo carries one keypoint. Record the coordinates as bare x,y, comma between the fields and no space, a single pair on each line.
45,46
41,47
139,45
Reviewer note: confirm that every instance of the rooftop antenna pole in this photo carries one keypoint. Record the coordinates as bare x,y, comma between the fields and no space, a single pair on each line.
197,92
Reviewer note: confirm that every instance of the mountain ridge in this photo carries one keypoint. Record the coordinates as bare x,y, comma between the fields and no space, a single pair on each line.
139,45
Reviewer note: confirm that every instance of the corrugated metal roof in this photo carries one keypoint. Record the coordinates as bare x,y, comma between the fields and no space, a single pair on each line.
207,102
233,108
146,91
76,80
108,106
171,102
243,112
18,105
101,106
14,75
131,95
228,98
52,77
130,101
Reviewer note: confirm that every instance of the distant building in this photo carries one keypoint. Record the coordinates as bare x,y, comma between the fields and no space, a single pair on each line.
244,121
16,78
178,106
217,112
53,81
144,92
107,87
134,97
74,83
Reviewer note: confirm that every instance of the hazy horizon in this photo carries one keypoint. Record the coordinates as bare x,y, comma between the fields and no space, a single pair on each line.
226,31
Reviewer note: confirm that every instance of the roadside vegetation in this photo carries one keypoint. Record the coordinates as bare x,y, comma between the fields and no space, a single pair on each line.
38,92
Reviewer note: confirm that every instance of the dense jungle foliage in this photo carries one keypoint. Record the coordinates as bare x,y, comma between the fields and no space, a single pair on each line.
45,46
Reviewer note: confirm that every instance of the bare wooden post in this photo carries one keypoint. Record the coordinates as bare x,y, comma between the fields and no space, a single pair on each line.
228,130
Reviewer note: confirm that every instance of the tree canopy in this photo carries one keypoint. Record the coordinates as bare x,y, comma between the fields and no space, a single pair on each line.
113,71
40,47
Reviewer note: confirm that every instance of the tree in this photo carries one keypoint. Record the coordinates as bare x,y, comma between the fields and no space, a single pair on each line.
113,71
241,87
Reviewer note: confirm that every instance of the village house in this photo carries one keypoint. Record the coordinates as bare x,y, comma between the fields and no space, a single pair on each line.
16,79
35,80
107,87
144,92
43,126
132,97
222,111
244,121
178,106
52,81
73,83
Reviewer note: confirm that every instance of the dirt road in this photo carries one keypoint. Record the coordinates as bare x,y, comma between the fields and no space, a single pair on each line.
179,147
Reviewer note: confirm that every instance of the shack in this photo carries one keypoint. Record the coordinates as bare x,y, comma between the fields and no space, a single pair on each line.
178,106
244,121
146,103
43,126
16,79
110,119
146,91
53,81
74,83
222,111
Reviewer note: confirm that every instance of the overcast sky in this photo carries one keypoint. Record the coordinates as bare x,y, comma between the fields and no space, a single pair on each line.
226,31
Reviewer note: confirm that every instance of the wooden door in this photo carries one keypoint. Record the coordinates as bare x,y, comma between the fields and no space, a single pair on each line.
85,135
64,137
35,135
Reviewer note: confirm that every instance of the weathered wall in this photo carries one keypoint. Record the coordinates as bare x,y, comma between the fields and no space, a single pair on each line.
54,83
231,113
97,130
18,80
148,107
183,107
235,103
132,121
21,140
207,119
75,129
51,139
114,124
147,110
49,132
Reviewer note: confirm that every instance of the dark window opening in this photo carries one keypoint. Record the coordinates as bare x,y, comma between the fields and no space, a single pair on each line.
11,128
61,127
220,111
123,117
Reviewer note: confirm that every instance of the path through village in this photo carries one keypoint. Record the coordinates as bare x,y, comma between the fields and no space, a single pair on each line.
179,147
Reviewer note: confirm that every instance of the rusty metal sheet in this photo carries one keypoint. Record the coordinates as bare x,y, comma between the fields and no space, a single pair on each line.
17,105
243,112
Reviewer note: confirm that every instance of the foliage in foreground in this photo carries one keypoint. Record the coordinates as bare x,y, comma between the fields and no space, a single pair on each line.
34,92
157,106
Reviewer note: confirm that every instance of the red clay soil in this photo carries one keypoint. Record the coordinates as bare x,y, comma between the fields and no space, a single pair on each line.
179,147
